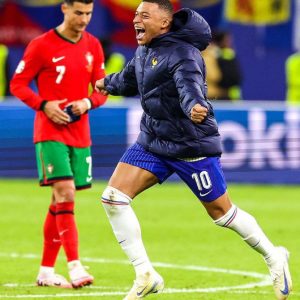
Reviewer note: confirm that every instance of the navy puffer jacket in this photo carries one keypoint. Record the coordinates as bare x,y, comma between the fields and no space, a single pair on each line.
169,76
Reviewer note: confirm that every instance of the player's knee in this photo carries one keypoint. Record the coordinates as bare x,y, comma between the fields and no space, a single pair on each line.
64,192
114,200
227,218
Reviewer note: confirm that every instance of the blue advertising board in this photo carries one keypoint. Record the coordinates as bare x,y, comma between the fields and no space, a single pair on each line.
261,144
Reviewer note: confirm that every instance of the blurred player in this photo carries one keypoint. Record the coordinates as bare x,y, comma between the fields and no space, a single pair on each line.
178,134
64,62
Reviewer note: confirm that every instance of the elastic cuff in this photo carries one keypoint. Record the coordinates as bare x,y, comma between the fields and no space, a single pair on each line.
88,103
43,104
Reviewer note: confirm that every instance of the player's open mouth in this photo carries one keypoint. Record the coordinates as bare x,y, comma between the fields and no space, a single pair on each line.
140,32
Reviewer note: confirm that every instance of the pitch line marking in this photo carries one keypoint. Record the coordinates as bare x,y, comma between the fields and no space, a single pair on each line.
264,279
156,264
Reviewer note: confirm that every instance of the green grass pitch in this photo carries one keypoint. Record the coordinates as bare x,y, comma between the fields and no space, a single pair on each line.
197,259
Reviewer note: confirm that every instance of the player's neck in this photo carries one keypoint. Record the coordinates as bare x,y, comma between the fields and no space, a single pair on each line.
69,34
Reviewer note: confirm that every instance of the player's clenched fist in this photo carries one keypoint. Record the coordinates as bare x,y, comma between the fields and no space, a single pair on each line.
198,113
100,88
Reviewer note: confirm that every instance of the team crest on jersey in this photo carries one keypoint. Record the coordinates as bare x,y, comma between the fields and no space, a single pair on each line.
50,168
154,62
89,58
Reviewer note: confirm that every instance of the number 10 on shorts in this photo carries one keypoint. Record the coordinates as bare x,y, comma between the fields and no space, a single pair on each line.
202,180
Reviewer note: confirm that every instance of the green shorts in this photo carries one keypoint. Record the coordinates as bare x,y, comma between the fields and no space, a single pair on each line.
57,161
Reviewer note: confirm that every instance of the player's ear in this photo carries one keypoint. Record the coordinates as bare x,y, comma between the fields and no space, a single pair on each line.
165,23
64,7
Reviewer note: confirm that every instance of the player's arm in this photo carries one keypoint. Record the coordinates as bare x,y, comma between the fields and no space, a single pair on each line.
95,98
187,67
26,71
81,106
120,84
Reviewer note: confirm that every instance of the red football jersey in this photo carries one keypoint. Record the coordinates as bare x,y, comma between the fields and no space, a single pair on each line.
62,70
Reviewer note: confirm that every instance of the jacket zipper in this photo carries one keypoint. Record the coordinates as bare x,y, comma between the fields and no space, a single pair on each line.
143,86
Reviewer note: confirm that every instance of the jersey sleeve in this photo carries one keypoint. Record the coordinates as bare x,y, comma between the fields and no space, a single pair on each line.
28,68
96,98
123,83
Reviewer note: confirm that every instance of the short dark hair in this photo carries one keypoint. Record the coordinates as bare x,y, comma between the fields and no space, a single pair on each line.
71,2
163,4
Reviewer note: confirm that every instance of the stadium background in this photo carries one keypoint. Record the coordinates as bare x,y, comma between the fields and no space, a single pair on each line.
260,139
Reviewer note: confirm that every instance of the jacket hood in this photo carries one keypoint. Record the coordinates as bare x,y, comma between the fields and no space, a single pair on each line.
189,26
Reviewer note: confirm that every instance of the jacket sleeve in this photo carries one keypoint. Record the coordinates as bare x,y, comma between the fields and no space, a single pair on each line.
187,68
27,70
96,98
123,83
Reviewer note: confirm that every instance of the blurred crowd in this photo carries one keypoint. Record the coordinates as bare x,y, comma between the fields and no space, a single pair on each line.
243,62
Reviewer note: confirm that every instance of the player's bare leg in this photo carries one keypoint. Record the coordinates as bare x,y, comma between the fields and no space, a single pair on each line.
227,215
126,182
131,180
